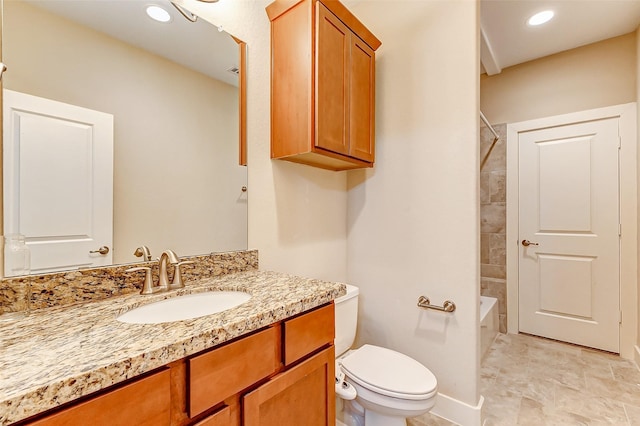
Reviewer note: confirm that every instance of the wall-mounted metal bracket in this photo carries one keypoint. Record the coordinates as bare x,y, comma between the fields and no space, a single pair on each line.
448,305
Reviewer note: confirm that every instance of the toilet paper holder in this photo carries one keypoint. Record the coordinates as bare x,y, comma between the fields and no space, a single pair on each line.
447,306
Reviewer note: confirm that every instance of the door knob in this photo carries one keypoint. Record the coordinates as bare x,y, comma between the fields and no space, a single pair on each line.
528,243
102,250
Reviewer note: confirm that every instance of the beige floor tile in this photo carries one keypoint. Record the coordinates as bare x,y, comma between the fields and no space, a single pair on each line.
501,407
552,346
428,420
562,374
500,420
517,372
489,372
628,373
596,408
562,384
633,414
602,370
533,413
539,389
614,389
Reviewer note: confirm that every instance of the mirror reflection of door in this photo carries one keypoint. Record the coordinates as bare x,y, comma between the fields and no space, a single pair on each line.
177,183
58,182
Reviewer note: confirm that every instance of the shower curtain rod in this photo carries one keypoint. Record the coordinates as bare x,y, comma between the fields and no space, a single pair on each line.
489,126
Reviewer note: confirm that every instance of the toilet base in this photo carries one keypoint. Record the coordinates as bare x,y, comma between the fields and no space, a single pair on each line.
351,414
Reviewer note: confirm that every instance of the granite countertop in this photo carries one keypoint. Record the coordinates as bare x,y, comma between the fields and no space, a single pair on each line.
56,355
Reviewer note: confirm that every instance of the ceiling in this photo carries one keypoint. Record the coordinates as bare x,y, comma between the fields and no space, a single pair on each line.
507,40
196,45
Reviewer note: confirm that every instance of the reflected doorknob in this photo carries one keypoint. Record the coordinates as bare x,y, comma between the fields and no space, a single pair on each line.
102,250
528,243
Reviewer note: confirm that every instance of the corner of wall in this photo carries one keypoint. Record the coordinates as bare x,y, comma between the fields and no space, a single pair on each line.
458,412
636,353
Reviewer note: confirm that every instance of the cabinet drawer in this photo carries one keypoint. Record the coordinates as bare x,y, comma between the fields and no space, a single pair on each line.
143,402
223,372
308,332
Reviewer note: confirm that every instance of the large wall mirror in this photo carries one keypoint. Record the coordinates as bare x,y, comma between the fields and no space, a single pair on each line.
167,99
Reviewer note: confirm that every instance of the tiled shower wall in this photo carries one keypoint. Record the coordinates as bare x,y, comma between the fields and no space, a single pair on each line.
493,226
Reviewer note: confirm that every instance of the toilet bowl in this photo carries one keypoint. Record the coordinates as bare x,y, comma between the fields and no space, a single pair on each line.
388,386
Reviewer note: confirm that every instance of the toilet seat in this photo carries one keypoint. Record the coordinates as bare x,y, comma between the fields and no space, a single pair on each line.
389,373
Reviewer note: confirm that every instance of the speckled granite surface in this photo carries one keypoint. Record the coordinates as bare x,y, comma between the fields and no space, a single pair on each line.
58,354
79,286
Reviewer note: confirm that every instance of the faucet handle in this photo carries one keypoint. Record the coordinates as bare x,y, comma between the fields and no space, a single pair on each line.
143,251
147,287
177,275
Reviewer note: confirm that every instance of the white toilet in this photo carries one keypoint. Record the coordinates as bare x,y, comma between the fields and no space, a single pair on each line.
389,386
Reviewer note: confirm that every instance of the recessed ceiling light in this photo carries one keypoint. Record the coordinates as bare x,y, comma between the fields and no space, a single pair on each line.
540,18
159,14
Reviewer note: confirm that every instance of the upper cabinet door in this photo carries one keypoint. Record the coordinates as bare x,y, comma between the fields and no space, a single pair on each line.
332,94
362,101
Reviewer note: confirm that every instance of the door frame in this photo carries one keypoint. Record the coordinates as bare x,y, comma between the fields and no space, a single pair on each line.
628,199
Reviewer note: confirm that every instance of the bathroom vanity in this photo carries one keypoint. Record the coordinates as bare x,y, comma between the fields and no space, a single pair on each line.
249,365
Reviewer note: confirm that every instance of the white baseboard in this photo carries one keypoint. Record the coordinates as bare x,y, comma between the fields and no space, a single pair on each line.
457,411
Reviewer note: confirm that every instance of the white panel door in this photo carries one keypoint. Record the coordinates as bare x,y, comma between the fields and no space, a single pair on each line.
58,181
569,277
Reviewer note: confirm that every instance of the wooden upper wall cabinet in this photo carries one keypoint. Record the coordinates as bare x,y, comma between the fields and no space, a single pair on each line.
322,85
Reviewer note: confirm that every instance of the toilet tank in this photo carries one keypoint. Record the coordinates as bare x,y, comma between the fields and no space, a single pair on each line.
346,308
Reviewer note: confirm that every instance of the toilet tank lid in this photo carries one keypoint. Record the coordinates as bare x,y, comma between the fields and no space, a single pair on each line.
352,291
389,372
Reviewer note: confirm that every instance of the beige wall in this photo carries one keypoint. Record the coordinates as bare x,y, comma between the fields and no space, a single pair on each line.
176,179
413,220
296,213
413,224
593,76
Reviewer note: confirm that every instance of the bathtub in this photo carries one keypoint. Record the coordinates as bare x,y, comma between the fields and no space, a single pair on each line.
489,323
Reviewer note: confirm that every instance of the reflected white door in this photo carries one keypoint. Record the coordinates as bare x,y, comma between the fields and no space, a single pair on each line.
569,278
58,181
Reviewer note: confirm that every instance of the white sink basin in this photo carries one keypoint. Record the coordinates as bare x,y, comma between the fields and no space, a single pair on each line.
184,307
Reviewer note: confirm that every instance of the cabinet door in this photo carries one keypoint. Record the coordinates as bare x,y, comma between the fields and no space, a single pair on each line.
304,395
361,100
332,82
221,417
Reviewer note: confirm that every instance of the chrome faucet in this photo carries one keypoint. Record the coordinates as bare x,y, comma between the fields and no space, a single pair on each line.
166,256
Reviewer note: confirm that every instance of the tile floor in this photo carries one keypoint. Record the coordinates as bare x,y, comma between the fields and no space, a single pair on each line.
528,380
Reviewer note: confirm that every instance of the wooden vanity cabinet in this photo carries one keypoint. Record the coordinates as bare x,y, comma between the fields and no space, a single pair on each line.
322,85
280,375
